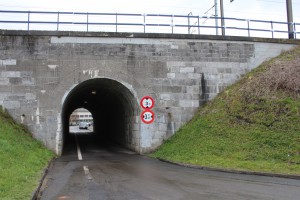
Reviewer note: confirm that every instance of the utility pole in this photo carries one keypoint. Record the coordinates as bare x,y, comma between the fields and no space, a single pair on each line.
216,17
290,20
222,17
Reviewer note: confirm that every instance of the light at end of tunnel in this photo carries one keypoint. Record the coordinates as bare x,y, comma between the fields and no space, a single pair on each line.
94,92
85,102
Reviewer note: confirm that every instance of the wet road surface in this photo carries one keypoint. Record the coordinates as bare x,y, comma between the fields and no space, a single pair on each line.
116,174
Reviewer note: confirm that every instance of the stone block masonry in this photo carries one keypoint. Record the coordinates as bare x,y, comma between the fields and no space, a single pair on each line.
181,72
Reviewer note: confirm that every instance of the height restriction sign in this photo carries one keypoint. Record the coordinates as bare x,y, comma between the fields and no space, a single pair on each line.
147,116
147,102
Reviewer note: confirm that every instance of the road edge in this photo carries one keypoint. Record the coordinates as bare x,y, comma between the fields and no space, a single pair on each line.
289,176
36,193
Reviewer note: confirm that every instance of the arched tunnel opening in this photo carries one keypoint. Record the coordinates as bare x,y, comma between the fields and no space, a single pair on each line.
113,107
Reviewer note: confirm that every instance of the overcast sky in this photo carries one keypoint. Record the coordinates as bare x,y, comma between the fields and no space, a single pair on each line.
271,10
251,9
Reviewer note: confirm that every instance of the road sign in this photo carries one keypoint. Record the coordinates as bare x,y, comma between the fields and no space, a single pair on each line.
147,116
147,102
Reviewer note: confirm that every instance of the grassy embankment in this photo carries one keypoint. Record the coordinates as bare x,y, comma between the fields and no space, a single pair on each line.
22,160
253,125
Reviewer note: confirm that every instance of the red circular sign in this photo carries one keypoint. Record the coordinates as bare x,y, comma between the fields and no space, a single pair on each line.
147,102
147,116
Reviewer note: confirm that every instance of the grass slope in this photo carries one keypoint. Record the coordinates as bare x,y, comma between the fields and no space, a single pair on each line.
22,160
253,125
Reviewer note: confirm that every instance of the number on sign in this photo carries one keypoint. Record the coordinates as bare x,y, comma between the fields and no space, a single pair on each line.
148,103
147,116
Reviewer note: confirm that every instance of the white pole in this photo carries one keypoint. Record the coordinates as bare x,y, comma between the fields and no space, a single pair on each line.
216,15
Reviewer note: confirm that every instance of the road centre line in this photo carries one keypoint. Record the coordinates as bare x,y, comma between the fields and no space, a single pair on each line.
78,149
87,173
85,168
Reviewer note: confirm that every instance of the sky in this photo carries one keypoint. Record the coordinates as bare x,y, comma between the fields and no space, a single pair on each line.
254,9
273,10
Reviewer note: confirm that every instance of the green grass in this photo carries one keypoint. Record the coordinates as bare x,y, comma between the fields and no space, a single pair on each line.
22,160
247,127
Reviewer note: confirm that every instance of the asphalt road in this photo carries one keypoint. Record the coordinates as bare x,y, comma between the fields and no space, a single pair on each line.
111,173
75,129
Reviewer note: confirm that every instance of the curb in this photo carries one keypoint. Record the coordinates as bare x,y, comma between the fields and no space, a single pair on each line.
297,177
36,193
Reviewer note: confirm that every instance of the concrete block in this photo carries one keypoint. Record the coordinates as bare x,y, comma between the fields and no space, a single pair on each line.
15,81
181,76
187,70
171,89
10,74
9,62
162,127
160,119
165,96
183,82
193,89
174,46
4,95
11,104
174,69
28,81
16,97
224,70
30,96
188,103
26,74
4,81
168,103
194,76
171,75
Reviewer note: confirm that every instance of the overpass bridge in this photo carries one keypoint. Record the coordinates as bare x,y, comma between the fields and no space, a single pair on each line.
45,75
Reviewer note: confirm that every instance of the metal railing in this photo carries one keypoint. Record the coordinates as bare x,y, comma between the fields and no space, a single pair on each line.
145,23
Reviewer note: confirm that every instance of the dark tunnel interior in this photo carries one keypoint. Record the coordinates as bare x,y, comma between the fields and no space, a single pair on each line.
112,106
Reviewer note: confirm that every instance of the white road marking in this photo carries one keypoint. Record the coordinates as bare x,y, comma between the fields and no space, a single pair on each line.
87,173
78,149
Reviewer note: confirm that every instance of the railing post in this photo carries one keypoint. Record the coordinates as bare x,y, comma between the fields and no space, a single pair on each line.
272,29
189,28
248,24
57,25
172,23
28,20
144,23
87,22
294,29
198,25
116,22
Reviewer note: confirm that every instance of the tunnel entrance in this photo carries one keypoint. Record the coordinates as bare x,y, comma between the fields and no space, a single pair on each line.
113,108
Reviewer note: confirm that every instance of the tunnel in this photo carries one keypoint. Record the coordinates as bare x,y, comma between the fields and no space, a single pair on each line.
113,107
